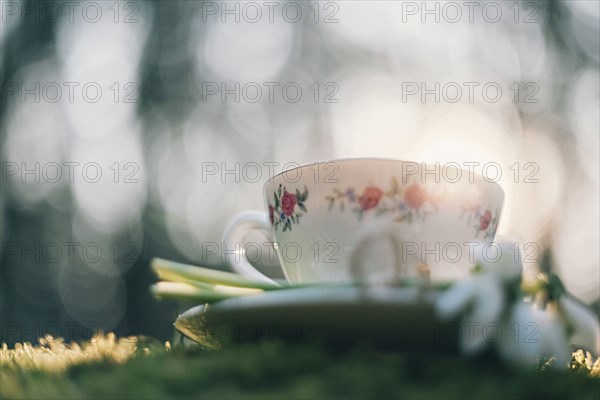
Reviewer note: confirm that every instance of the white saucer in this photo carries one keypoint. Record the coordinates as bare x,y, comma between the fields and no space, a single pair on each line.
339,316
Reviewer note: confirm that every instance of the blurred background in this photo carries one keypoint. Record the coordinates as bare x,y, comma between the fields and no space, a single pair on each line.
132,130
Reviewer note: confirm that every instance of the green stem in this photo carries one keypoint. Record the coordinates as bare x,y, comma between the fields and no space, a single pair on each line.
171,277
173,270
185,292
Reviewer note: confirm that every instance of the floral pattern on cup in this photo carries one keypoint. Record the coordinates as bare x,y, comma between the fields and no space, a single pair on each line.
408,203
284,210
482,219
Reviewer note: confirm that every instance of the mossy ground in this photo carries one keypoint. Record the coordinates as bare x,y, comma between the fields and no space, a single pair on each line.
148,370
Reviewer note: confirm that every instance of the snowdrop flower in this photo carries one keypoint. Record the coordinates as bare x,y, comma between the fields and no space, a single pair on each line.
540,334
482,296
582,321
505,265
579,322
530,335
492,297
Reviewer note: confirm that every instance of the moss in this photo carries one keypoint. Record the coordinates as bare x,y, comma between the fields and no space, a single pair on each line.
277,370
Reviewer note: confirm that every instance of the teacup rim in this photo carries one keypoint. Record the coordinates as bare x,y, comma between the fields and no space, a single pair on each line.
478,177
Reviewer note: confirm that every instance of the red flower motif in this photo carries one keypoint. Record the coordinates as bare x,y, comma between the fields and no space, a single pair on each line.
288,202
370,198
415,196
271,214
485,220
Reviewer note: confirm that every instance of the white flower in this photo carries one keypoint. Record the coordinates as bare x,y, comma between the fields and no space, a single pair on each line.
521,333
531,335
503,259
483,296
585,325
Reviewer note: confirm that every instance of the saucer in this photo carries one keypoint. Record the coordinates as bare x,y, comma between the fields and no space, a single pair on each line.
333,316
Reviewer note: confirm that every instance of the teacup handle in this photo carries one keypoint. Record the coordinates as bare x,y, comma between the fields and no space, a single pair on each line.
236,231
372,234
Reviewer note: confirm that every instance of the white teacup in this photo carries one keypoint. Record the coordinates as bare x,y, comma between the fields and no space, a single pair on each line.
372,219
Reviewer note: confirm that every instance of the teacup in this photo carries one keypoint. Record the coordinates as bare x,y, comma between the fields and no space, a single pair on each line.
375,220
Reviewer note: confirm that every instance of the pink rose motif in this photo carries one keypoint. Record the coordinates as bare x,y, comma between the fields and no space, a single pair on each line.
288,202
370,198
415,196
271,214
485,220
